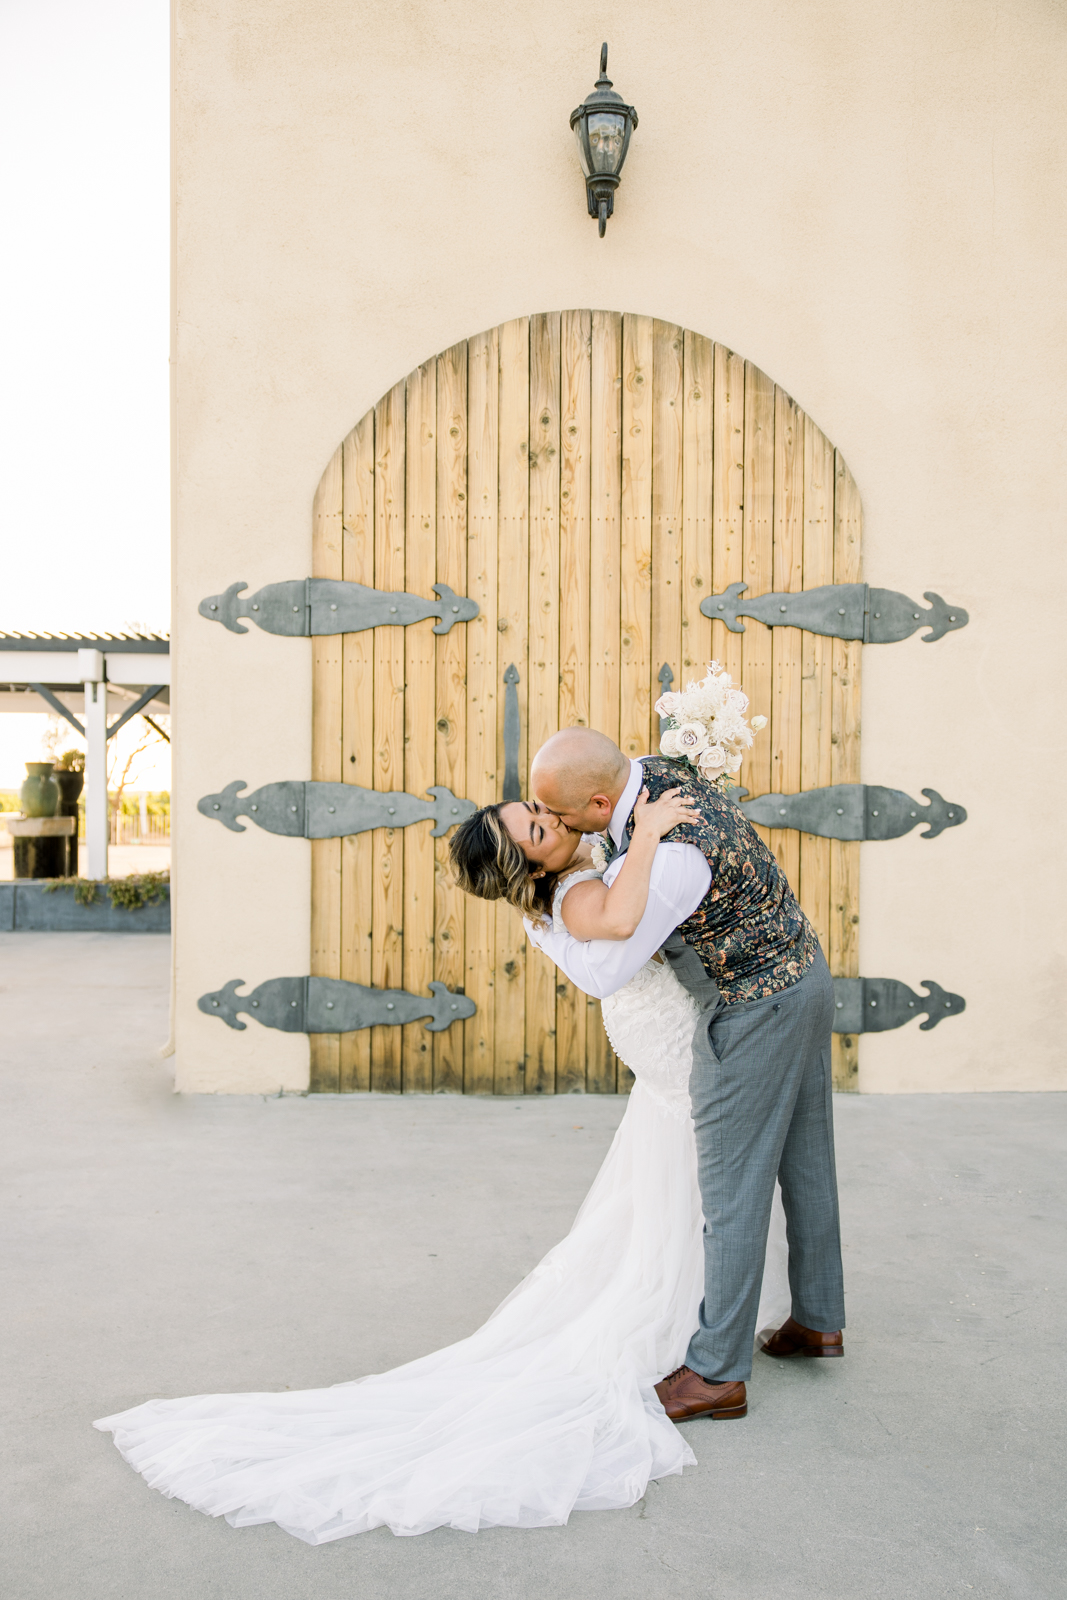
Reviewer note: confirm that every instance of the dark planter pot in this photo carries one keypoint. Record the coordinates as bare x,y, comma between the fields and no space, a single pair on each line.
41,858
71,785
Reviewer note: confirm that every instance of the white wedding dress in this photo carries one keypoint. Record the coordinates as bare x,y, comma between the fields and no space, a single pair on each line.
548,1408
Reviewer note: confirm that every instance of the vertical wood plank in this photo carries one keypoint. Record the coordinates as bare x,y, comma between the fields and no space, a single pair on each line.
635,643
635,561
758,564
574,600
728,503
326,700
605,493
541,975
512,646
606,508
420,566
817,654
845,767
388,846
667,421
449,959
357,720
697,505
786,643
574,535
483,677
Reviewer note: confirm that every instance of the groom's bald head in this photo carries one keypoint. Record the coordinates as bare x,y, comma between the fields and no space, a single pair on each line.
580,774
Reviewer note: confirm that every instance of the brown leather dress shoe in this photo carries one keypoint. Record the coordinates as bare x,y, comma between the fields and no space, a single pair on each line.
793,1339
683,1393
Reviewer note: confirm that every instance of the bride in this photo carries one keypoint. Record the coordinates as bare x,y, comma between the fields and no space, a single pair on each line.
550,1406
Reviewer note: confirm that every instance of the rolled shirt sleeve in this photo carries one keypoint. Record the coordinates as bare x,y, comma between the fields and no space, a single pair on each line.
681,877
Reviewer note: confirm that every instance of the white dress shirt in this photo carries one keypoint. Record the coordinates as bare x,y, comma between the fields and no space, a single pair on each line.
680,879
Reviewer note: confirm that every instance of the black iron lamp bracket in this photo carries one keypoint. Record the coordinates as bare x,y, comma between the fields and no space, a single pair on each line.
601,180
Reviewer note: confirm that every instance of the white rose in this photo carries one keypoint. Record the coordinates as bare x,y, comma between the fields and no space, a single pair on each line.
712,762
758,724
668,743
668,704
691,738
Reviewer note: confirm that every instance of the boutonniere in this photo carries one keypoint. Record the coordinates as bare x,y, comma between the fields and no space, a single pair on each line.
599,854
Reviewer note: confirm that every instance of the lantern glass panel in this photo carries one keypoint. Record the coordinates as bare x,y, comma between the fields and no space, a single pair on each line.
607,142
583,152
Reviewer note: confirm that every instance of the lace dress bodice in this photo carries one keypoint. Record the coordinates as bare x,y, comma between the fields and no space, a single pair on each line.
650,1022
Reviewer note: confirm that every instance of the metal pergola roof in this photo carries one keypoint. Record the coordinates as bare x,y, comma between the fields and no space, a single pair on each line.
141,643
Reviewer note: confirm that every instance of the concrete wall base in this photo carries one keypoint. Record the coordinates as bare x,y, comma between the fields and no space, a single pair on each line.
30,906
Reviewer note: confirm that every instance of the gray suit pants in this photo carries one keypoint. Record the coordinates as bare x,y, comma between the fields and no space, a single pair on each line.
762,1110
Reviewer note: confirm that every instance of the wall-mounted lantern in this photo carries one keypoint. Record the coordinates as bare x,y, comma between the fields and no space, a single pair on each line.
602,126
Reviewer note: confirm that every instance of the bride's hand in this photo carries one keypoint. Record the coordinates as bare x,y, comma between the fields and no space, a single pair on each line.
657,817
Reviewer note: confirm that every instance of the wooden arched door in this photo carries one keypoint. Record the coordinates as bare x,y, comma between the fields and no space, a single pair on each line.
587,478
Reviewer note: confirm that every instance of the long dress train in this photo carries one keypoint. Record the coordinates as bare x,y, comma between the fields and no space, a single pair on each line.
548,1408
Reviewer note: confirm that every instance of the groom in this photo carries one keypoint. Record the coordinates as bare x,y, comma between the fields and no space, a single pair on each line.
724,916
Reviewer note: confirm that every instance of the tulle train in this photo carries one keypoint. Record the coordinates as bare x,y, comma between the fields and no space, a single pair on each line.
548,1408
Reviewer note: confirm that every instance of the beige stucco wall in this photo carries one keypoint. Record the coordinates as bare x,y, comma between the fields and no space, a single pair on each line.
866,200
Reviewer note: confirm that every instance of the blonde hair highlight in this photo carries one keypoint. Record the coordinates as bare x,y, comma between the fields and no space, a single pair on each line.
487,863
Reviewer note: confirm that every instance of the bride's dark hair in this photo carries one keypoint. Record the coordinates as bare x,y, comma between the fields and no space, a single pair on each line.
488,863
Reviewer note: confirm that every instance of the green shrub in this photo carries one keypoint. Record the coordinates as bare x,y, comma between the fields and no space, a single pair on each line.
127,894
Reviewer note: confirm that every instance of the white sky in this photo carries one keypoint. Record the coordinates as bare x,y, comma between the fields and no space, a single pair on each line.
84,264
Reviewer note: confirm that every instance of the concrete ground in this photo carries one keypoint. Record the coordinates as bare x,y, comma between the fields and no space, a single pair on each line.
158,1245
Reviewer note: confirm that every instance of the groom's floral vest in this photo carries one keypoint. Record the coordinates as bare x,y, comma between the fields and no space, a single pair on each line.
748,930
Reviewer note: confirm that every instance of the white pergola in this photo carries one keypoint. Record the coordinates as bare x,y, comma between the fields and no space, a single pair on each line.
97,674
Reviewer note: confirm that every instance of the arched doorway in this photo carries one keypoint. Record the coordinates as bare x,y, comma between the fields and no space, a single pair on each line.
587,478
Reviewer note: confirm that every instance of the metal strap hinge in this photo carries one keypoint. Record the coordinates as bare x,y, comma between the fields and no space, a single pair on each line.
875,1005
332,1005
840,611
313,607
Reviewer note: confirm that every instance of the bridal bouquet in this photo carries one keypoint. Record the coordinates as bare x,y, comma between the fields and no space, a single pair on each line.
706,725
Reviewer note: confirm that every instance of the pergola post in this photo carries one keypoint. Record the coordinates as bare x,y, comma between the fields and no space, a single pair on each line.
97,821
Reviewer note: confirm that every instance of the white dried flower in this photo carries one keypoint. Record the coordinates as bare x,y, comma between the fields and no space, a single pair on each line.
758,724
702,702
